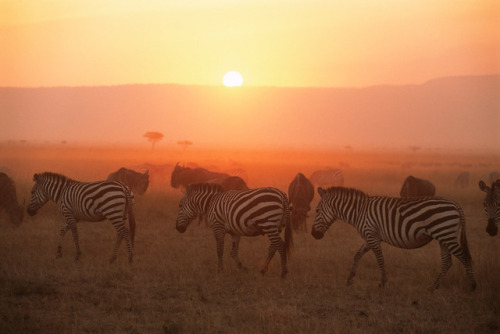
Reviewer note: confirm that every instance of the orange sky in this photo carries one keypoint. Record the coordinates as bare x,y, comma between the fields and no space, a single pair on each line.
271,43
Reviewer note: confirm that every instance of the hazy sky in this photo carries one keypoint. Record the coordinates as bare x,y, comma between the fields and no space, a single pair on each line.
271,43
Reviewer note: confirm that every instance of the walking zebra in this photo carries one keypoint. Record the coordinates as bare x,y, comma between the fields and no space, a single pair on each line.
491,205
240,213
401,222
94,201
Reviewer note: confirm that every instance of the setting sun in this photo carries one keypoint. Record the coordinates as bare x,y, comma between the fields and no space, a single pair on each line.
232,79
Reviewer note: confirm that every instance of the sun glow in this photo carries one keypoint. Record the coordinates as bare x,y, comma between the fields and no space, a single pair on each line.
232,79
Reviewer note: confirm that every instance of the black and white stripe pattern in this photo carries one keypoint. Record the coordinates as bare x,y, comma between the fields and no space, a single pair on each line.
78,201
262,211
491,205
401,222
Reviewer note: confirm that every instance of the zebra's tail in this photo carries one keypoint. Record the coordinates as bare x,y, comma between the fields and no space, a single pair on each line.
288,227
463,237
131,218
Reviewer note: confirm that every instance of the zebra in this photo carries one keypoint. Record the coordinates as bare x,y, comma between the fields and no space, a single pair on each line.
491,205
94,201
261,211
401,222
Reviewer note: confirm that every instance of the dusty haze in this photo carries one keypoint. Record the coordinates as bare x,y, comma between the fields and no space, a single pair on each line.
459,113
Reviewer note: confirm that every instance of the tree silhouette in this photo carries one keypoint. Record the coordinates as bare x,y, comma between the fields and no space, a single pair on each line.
184,143
153,137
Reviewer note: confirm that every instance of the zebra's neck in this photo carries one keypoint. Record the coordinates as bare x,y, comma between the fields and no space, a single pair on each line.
204,193
54,185
349,206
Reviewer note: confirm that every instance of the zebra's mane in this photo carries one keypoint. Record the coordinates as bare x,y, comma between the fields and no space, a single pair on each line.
343,191
204,187
51,175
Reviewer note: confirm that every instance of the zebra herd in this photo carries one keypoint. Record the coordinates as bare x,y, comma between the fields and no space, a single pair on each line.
407,222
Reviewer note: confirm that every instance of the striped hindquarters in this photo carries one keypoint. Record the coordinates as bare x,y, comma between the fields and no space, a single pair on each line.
412,223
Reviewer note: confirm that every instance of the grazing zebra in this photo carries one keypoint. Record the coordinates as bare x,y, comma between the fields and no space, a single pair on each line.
331,177
301,193
401,222
491,205
94,201
8,200
137,182
262,211
415,187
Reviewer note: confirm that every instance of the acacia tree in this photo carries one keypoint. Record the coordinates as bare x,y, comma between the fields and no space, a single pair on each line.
184,143
153,137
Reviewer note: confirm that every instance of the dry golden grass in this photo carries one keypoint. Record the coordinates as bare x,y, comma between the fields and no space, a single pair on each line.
173,285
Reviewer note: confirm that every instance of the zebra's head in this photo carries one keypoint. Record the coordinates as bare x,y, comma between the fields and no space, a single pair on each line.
324,215
491,205
187,211
39,196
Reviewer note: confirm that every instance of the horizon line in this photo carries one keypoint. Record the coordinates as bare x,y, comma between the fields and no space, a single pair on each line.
260,86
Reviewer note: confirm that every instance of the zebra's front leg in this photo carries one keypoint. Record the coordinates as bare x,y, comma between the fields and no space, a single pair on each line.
61,237
377,250
234,251
445,265
219,240
364,248
74,231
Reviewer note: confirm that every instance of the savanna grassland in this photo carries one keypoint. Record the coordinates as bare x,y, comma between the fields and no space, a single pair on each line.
173,286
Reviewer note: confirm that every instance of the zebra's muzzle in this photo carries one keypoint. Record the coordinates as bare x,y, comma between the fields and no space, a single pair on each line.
181,228
492,229
317,234
31,211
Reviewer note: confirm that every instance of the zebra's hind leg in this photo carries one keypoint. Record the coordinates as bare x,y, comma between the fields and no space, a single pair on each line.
270,255
234,251
279,245
460,253
445,265
364,248
119,238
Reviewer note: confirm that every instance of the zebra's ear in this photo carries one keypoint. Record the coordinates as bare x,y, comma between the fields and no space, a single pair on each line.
321,191
483,186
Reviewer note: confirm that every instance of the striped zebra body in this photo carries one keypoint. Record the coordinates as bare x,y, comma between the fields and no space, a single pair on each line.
262,211
79,201
401,222
491,205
